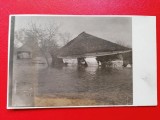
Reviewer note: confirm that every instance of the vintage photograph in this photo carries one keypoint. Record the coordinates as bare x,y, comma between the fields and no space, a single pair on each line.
70,61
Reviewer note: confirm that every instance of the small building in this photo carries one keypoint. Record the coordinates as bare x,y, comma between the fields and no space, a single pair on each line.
24,52
29,50
24,55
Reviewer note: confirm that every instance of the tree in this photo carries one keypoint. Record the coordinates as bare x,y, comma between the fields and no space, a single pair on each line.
122,43
45,38
65,37
19,37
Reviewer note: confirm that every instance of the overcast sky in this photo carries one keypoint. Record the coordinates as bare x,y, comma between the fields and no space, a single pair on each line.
109,28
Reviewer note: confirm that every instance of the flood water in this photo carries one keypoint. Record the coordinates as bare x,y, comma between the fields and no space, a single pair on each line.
38,85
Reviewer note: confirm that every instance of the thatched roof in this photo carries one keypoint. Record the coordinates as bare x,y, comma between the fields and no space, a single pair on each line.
25,47
30,46
86,43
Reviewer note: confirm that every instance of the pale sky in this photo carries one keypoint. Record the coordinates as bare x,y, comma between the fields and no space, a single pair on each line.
109,28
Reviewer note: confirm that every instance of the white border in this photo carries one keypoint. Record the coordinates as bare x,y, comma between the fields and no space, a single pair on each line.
140,98
144,61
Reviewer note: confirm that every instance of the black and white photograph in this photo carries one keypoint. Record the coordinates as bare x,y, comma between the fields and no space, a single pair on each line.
72,61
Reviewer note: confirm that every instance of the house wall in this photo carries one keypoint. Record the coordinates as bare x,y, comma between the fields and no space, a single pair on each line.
24,55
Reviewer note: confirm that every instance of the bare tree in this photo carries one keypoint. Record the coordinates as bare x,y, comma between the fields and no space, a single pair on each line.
65,37
123,43
45,38
19,37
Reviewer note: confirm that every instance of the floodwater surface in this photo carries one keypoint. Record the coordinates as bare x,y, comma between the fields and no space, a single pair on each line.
38,85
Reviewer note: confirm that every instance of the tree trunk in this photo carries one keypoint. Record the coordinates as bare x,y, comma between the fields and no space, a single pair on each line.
56,61
45,56
46,59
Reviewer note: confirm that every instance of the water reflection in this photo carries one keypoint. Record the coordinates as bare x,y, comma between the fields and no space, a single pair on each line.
98,85
91,82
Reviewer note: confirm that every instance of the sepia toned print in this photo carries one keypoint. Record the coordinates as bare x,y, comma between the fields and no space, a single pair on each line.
64,61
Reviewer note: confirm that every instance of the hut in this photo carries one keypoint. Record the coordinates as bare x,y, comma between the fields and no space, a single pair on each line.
86,45
24,52
29,50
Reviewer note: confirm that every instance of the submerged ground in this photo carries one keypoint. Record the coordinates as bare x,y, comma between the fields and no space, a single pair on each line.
38,85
